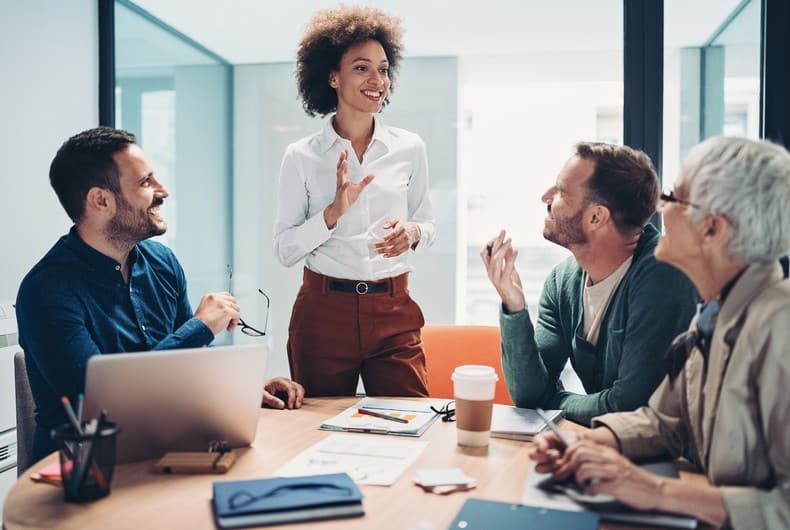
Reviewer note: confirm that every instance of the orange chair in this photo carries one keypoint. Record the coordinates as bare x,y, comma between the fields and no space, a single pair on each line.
449,346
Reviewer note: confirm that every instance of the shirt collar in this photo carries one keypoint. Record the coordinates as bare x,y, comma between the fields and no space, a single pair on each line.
329,135
95,260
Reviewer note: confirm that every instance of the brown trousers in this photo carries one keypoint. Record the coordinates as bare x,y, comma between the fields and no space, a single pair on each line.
338,331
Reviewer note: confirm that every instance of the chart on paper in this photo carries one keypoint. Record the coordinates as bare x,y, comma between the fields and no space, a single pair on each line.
369,460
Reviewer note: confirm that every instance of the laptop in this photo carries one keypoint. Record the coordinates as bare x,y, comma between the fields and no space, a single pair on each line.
178,400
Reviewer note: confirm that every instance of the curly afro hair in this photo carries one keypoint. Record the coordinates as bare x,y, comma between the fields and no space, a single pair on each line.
329,35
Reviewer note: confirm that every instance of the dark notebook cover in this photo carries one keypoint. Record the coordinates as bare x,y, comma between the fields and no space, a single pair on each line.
480,514
281,500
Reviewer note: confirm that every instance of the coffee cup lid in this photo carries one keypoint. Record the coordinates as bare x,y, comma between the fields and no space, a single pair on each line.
474,372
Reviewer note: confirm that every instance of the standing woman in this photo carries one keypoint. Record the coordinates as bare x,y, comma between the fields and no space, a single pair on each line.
353,203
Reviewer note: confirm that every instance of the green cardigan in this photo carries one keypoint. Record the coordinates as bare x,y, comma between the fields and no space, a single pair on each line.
653,303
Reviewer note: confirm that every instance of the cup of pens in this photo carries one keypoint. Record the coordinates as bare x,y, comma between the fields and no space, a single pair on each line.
87,457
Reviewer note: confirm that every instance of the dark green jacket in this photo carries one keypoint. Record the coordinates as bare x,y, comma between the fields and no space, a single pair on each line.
653,303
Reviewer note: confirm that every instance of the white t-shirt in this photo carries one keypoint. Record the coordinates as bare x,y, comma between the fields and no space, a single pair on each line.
596,300
308,179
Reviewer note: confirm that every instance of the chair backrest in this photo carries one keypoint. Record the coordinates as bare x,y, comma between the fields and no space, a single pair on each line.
449,346
25,420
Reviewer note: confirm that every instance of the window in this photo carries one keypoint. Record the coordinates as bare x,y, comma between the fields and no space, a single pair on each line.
175,97
711,75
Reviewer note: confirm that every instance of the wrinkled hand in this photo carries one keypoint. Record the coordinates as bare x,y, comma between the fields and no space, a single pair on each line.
402,237
548,450
500,266
218,311
294,390
346,192
602,469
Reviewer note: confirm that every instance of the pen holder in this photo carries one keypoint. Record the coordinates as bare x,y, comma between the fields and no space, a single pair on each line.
86,461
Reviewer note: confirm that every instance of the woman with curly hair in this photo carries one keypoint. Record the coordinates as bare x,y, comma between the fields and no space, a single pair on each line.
353,202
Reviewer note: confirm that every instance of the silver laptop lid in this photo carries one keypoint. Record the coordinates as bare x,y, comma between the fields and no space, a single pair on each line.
178,400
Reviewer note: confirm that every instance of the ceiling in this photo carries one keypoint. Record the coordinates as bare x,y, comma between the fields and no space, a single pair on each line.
255,31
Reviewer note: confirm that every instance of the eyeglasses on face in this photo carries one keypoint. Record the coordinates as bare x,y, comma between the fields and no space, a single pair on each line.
243,326
671,197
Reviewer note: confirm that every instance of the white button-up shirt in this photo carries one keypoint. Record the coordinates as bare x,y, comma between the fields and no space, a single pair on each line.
308,180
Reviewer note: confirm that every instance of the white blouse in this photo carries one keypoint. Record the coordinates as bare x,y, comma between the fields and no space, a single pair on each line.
308,180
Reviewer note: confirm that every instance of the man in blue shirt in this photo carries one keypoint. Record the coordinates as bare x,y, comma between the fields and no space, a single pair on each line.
103,287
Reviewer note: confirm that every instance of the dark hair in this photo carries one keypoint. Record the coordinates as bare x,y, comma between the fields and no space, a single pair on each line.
329,35
86,160
624,180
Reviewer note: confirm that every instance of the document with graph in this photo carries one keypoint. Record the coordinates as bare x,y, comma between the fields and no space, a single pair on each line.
367,459
387,416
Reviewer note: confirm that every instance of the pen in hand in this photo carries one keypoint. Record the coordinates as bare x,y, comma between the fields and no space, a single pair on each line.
553,426
382,416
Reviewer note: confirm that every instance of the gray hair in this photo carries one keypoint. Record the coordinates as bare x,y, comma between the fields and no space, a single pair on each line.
748,182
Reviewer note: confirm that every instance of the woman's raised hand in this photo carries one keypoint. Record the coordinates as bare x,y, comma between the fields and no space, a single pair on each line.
346,192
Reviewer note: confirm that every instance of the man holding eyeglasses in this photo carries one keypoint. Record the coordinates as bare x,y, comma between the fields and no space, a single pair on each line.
103,287
611,308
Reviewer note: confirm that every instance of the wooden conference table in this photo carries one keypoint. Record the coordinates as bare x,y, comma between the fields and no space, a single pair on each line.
142,499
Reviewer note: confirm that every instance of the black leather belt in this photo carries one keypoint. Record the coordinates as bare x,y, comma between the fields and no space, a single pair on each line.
351,286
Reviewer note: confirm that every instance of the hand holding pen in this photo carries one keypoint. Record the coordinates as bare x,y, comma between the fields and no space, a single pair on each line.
499,257
550,446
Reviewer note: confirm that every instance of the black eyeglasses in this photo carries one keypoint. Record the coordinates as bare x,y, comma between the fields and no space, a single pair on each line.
671,197
243,326
447,413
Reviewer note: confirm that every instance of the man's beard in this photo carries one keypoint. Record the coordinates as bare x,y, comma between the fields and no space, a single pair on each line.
129,226
567,231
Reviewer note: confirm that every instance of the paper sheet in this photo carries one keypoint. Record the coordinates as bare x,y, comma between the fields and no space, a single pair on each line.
373,460
534,496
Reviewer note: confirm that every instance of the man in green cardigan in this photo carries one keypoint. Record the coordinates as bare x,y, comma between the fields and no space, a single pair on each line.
611,308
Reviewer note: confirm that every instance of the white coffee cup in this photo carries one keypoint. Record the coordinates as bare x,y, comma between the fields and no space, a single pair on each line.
474,386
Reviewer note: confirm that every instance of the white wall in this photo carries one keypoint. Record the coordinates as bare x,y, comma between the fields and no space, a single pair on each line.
49,91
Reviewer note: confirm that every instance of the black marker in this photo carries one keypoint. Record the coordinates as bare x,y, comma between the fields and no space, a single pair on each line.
489,248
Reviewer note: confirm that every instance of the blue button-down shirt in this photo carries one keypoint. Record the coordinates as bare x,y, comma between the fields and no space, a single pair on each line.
75,304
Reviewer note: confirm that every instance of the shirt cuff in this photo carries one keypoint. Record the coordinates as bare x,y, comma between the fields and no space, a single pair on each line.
512,318
743,507
629,434
195,333
425,236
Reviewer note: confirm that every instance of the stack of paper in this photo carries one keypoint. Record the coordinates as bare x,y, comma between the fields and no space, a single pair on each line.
443,480
519,424
261,502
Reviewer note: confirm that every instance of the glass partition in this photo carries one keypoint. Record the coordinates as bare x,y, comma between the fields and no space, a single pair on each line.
175,96
711,75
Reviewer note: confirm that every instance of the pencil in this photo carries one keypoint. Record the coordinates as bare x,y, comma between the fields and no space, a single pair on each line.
70,414
382,416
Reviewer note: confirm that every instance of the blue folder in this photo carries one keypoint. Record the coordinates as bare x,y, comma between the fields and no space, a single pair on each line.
281,500
480,514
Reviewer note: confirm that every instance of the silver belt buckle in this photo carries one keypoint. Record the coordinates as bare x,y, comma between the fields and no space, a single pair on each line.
361,287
